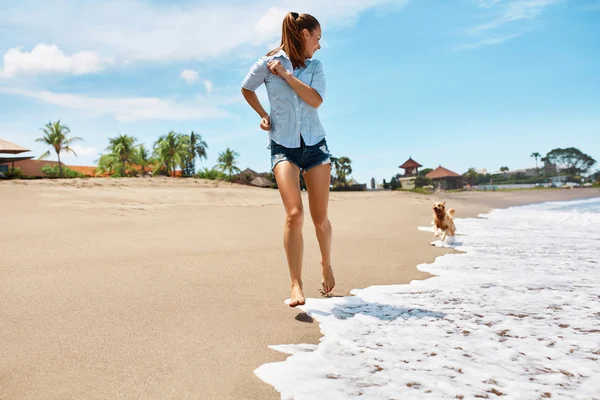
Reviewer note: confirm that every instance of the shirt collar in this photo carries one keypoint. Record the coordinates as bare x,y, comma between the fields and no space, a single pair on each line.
281,53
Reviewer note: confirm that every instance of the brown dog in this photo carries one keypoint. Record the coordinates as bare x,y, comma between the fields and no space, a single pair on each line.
443,220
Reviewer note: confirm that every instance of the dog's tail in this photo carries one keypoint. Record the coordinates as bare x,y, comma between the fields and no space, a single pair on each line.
451,213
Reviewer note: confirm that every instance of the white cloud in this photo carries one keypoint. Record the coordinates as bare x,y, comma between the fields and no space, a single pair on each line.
189,76
49,58
208,85
132,30
486,42
130,109
514,11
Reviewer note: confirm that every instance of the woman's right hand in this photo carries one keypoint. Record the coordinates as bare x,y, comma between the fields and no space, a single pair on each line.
265,123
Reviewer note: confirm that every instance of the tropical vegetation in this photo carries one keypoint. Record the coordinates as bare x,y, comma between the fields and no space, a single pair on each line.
54,171
176,154
56,136
342,168
227,162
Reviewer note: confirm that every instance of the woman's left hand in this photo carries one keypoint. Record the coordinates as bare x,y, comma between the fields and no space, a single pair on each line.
276,67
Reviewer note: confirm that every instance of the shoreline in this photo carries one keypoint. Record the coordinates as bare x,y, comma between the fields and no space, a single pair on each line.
138,283
387,315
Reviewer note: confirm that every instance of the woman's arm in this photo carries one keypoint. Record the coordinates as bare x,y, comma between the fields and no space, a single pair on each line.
253,80
309,94
306,93
252,99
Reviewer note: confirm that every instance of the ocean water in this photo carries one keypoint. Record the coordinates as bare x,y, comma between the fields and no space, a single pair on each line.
516,315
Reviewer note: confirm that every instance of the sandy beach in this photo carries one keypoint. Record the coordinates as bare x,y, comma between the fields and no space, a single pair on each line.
159,288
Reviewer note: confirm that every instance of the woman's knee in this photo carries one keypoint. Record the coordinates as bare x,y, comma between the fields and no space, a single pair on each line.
295,218
321,222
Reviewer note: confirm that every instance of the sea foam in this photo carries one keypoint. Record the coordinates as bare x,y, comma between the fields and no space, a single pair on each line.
517,314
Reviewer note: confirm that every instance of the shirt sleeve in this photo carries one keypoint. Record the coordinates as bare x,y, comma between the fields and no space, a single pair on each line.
256,76
318,79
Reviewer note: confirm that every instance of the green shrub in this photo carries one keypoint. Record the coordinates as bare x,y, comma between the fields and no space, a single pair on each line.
421,181
14,173
212,174
52,171
395,184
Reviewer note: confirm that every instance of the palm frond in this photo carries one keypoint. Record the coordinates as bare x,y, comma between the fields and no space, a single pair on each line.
67,149
72,140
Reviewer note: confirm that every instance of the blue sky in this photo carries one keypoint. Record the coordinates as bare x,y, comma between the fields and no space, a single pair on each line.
462,83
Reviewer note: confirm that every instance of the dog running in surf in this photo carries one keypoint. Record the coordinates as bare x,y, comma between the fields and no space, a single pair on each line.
443,220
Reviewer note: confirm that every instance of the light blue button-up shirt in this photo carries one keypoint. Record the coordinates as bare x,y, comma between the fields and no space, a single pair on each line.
290,115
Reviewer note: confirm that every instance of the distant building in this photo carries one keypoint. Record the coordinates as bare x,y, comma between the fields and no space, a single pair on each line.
411,170
8,163
33,168
558,180
524,171
261,181
445,179
253,178
410,167
547,169
355,186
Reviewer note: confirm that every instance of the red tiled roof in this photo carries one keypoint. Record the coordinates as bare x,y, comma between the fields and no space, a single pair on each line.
441,172
410,163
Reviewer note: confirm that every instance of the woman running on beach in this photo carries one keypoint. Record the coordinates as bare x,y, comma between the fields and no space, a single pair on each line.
295,86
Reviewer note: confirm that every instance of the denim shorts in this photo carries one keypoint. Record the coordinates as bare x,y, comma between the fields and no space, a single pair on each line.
304,157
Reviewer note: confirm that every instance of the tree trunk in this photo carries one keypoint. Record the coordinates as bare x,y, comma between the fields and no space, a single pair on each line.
60,173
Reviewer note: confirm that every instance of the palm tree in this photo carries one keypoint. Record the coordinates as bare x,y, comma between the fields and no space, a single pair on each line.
195,147
170,150
123,149
107,163
343,168
504,170
546,161
227,162
143,158
198,146
536,155
55,136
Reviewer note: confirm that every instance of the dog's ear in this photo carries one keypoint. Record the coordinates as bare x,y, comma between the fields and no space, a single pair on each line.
444,203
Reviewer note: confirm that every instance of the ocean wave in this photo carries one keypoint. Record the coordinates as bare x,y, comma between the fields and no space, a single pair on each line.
517,314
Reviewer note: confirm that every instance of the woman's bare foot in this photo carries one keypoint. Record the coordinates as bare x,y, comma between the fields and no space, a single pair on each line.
328,281
297,298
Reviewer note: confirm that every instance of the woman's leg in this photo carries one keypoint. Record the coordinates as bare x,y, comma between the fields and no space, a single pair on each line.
287,176
317,184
